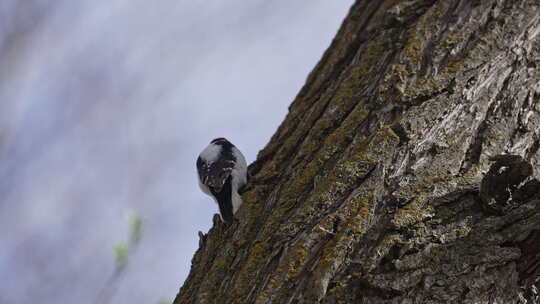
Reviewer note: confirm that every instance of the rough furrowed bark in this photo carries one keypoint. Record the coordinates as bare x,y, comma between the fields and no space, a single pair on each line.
377,187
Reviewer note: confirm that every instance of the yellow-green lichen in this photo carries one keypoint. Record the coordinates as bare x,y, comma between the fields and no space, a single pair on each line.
412,213
257,256
413,46
357,212
297,260
327,258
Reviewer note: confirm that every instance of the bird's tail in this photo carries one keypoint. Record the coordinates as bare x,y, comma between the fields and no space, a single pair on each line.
224,199
226,210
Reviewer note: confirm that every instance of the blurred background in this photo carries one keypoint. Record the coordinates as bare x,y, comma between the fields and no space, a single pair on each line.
104,107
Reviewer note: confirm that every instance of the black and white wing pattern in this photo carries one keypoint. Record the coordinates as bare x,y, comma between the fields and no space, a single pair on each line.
215,164
215,174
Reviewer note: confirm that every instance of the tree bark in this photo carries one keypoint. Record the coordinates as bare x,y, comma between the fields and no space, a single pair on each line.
377,187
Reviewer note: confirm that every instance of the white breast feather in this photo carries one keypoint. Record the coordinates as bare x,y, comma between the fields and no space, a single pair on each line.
239,178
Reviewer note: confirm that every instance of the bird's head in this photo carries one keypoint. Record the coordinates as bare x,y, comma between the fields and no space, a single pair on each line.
218,140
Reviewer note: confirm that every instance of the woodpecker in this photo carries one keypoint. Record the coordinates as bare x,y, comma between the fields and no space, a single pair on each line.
222,172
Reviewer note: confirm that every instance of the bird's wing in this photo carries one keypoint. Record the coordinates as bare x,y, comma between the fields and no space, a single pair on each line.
214,175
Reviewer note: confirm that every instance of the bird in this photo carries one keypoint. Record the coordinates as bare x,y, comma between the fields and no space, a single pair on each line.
222,172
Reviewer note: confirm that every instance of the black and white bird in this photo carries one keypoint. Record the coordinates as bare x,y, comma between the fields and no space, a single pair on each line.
222,172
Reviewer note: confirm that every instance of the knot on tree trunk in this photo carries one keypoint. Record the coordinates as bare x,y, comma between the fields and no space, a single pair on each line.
508,184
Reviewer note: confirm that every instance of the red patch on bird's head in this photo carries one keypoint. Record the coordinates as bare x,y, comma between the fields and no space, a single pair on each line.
215,140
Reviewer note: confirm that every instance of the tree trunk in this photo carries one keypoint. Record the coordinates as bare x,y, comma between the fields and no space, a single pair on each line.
377,187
